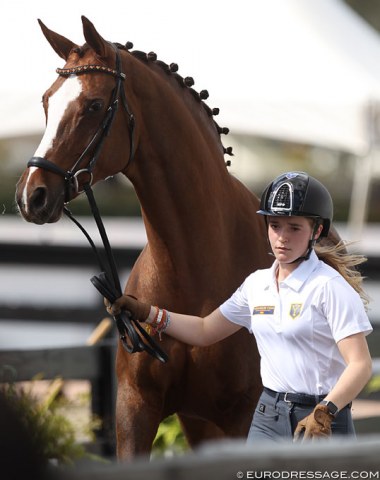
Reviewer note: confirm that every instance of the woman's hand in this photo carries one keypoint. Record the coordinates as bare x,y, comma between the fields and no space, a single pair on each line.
138,310
315,425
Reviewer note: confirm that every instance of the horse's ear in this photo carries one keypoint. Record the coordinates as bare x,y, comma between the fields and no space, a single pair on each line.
94,39
61,45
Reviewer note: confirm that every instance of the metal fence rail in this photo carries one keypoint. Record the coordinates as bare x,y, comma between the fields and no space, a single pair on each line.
332,459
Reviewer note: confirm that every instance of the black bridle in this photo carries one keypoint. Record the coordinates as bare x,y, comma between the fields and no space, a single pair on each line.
133,336
71,176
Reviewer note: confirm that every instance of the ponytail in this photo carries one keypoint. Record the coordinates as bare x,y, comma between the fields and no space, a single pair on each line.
345,263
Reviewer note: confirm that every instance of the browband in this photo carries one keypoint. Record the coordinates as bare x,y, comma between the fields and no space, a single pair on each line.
66,72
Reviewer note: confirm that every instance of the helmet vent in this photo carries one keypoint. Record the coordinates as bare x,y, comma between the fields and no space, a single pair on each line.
283,198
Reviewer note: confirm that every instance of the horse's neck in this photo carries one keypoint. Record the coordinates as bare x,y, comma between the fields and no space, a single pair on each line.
183,203
180,176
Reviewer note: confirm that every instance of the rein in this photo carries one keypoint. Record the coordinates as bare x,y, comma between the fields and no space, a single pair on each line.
133,336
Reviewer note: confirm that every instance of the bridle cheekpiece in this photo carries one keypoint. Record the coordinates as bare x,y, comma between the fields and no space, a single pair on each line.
132,335
71,175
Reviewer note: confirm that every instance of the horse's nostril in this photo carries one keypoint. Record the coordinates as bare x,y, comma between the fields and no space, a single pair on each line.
38,198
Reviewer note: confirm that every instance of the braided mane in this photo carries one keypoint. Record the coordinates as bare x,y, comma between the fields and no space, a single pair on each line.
185,82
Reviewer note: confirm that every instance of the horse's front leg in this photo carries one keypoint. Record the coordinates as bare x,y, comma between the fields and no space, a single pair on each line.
138,407
136,423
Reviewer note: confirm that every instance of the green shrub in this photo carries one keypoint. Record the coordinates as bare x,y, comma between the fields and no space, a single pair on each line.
170,439
374,384
52,434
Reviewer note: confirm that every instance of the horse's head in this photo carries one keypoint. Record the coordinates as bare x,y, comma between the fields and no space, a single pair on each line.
80,107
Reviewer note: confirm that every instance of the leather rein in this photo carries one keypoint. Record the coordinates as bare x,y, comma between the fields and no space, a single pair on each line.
133,336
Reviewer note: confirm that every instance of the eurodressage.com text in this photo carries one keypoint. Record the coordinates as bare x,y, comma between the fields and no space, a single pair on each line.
305,474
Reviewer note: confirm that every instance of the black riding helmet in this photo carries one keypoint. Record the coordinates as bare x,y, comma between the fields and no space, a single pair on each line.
298,194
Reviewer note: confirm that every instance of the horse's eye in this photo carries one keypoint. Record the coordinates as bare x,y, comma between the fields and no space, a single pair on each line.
95,106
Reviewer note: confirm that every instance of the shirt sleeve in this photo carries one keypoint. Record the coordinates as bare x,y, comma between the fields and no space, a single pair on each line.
236,308
344,310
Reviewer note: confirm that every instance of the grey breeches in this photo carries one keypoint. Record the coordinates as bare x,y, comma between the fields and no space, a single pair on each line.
275,420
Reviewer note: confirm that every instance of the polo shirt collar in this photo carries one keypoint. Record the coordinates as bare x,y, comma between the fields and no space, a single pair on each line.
297,278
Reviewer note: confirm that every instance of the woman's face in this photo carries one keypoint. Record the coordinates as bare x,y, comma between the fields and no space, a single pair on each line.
289,237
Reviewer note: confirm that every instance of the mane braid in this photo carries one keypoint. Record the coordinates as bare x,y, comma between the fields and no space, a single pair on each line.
195,94
140,55
165,67
187,83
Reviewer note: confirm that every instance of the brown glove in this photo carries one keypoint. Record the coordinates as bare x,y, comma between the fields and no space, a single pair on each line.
315,425
138,310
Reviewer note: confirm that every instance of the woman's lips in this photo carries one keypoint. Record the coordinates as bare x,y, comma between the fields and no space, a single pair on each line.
282,249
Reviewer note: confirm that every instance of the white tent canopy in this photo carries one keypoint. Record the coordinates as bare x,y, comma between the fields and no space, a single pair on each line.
298,70
314,67
289,69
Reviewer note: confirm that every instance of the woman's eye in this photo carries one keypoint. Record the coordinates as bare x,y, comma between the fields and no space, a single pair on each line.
95,106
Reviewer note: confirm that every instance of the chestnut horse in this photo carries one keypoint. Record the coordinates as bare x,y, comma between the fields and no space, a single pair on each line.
203,234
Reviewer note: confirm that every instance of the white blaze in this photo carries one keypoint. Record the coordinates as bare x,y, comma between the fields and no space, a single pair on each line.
58,103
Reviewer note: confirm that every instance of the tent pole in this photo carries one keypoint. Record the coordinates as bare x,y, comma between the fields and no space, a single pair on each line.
360,194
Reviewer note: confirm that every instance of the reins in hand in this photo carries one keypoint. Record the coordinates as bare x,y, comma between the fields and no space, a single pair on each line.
133,336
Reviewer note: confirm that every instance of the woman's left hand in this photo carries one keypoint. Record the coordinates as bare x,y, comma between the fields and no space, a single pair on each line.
315,425
138,310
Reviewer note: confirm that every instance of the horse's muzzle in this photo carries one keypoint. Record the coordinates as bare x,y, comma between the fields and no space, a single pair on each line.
37,204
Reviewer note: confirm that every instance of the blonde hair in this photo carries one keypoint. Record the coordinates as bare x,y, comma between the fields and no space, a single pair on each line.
345,263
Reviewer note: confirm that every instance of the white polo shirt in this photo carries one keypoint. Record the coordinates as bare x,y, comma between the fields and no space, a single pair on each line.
298,326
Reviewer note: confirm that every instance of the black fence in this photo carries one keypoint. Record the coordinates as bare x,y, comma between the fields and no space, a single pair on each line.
92,363
83,256
95,364
53,255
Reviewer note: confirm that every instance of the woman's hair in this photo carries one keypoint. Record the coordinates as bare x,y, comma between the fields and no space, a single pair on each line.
345,263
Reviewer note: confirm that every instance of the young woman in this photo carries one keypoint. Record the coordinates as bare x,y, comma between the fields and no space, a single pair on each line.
306,313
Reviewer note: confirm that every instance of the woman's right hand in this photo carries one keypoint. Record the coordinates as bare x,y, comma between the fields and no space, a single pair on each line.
138,310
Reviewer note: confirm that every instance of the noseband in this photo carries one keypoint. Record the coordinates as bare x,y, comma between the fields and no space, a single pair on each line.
132,335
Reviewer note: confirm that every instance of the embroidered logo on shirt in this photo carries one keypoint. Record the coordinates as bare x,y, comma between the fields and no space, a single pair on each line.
263,310
295,310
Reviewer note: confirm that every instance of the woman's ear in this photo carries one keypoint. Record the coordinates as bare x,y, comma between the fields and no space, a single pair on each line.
318,232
